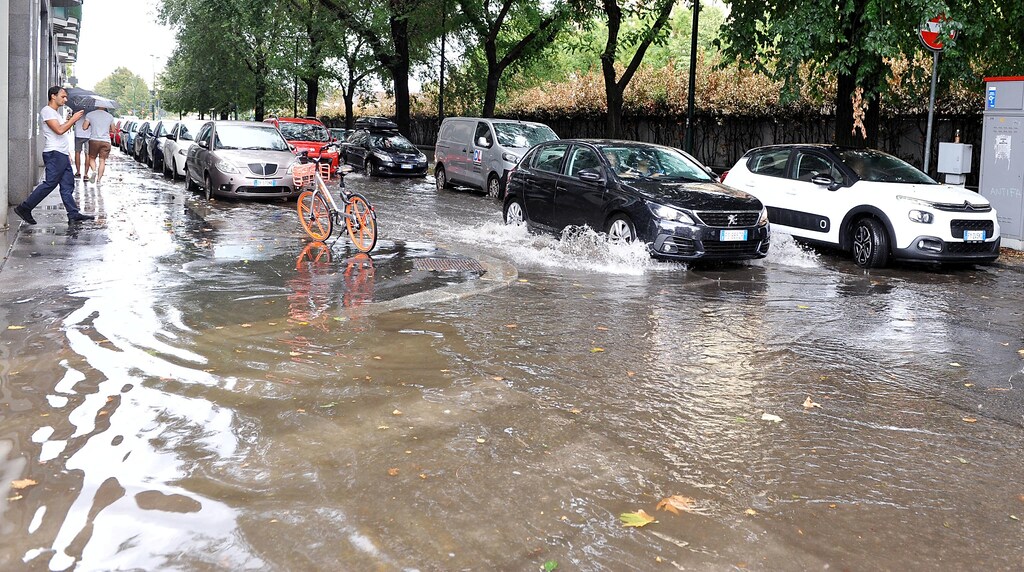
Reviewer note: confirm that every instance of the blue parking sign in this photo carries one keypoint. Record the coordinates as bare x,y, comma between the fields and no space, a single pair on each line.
992,97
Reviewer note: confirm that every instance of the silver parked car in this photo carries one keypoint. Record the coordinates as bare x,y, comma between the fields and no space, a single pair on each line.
176,147
241,159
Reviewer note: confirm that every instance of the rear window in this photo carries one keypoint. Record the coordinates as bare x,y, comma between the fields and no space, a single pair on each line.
771,163
304,132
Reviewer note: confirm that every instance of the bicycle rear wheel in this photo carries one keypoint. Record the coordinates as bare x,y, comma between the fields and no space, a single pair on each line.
315,216
361,222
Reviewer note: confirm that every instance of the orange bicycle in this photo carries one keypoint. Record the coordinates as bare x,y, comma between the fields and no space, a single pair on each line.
318,212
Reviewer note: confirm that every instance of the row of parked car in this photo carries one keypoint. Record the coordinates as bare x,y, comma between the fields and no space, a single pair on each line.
863,201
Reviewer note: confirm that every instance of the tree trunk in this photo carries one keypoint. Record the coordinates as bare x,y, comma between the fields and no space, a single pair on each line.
612,92
312,94
491,95
399,67
349,96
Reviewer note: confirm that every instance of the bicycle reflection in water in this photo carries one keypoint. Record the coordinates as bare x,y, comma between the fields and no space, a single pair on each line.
317,282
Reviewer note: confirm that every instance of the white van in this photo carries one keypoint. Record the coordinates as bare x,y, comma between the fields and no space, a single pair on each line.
478,152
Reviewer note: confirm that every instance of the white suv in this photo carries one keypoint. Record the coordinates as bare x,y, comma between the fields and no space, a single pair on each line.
869,203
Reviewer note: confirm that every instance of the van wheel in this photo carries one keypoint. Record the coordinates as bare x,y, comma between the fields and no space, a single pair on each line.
870,244
441,179
494,187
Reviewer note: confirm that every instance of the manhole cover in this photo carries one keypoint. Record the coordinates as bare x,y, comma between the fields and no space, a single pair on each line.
447,265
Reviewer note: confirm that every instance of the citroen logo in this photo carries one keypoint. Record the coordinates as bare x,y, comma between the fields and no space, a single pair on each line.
732,220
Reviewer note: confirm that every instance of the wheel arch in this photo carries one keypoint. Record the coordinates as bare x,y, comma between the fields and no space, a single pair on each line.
858,213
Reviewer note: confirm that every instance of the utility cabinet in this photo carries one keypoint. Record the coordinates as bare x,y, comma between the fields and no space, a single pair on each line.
1002,155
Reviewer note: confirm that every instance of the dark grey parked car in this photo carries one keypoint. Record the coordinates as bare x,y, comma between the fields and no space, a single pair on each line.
241,159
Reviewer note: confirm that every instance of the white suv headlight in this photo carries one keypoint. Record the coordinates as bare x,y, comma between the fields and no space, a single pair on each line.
923,217
671,214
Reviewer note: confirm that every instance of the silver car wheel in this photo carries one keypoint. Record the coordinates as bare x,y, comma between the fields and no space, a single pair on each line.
620,230
514,213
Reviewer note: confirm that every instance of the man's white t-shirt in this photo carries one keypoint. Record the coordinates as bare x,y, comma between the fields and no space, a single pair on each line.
52,141
99,125
80,132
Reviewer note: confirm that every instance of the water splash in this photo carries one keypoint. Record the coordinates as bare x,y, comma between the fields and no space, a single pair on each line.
785,250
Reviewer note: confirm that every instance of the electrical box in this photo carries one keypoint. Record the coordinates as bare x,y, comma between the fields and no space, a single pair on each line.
1002,155
955,161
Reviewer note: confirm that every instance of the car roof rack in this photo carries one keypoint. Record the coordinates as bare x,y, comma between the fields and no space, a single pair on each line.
376,124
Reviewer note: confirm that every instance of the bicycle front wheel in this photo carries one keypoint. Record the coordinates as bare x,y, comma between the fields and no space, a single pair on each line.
361,222
315,216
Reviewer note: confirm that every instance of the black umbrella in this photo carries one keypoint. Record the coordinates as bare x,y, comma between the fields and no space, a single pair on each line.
79,98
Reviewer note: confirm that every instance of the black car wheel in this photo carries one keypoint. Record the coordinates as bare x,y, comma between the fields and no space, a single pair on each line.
494,187
208,189
870,244
621,229
368,168
514,212
192,186
158,163
441,178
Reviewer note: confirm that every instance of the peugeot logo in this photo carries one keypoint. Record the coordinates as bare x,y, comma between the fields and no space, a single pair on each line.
732,220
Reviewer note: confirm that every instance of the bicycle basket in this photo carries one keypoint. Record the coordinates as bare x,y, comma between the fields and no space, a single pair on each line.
303,174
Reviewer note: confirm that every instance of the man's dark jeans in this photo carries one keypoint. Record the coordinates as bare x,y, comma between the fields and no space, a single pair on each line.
58,172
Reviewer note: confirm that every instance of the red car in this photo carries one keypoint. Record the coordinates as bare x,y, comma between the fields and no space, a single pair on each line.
308,135
115,133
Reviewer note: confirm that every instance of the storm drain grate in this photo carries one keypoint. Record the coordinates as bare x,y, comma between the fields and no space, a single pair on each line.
447,265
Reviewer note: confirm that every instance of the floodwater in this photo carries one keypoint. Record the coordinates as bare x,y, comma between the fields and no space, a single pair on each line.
186,386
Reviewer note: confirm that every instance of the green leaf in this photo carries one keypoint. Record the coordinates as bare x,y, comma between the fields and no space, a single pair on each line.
550,565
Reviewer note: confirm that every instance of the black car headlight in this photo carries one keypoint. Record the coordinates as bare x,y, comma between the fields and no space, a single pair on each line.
763,219
670,214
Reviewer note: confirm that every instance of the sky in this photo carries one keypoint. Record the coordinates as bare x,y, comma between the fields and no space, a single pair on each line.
118,33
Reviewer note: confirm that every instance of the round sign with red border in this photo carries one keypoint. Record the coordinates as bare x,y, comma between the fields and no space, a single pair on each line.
932,34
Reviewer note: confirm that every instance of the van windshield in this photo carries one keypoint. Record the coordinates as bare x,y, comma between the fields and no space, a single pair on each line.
522,134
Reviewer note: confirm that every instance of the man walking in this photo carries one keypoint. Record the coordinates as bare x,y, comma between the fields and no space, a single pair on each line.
98,123
57,159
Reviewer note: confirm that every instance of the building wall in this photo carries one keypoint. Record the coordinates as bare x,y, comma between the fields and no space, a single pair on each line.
32,67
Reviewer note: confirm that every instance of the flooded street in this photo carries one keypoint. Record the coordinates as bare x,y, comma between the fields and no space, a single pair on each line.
186,386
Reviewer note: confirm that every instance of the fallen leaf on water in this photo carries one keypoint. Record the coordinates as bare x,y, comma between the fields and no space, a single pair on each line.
969,420
498,378
808,404
596,350
246,325
601,329
15,327
750,512
1021,352
396,412
382,427
804,307
954,364
675,503
637,519
1014,517
15,497
339,319
510,326
962,460
393,472
772,418
523,280
575,411
294,354
481,440
1020,498
968,385
630,373
550,565
22,484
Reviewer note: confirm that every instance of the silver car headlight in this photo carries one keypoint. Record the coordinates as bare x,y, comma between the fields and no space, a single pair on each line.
226,167
671,214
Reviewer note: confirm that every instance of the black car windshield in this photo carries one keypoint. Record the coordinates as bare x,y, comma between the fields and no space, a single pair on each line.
871,165
645,162
522,134
304,132
188,130
392,143
250,137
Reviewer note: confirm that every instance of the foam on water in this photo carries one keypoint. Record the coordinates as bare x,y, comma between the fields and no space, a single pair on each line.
578,248
788,252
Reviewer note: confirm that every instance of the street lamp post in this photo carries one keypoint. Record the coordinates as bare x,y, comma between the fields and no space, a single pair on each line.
152,93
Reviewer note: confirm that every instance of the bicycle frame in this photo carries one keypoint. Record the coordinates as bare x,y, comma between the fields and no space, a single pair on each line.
357,214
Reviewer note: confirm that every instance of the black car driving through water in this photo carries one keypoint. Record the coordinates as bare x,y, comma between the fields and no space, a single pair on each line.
636,191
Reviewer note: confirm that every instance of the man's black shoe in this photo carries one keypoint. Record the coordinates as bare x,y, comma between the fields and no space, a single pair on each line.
79,217
25,214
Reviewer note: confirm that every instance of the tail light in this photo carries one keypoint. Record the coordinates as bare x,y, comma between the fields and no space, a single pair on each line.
722,176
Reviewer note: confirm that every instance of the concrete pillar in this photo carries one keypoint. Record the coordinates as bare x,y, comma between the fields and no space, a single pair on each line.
23,98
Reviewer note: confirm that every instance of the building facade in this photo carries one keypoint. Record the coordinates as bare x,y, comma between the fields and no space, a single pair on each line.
38,45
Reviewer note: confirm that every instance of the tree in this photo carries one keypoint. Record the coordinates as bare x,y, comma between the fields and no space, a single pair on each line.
126,88
398,33
518,29
654,15
230,48
808,43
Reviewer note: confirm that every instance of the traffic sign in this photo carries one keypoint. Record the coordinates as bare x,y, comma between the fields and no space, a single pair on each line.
933,35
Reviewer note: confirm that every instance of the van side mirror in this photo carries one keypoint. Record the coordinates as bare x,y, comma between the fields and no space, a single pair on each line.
482,142
590,175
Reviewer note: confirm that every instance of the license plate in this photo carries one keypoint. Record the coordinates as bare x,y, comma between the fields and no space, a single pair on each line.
407,166
264,182
731,235
974,235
